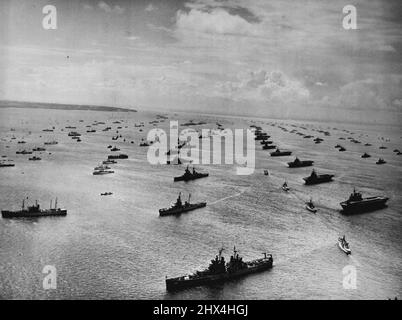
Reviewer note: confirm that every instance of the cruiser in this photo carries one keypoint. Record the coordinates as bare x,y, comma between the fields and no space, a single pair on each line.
179,207
279,153
297,163
34,211
315,178
188,175
221,271
356,203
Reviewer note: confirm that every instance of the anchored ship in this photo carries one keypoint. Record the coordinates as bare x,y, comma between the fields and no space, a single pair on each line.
34,211
357,204
221,271
188,175
297,163
279,153
315,178
178,207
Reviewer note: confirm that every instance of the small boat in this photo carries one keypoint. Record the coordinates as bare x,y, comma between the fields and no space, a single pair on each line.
106,193
266,172
115,149
342,149
285,187
344,245
34,158
366,155
310,206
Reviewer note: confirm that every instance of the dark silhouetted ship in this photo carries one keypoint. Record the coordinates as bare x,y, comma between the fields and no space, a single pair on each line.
34,211
357,204
297,163
188,175
180,207
279,153
220,271
315,178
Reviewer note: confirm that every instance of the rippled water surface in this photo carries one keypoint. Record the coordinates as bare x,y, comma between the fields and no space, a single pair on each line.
118,246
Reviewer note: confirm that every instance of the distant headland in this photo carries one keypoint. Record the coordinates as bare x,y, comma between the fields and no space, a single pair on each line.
58,106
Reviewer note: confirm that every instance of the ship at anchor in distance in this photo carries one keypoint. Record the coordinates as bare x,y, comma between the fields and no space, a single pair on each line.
357,204
178,207
34,211
188,175
220,271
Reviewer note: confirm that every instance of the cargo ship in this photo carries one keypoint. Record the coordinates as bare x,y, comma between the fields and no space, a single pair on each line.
220,271
34,211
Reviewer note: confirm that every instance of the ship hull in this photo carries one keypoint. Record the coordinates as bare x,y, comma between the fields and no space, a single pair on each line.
181,283
189,178
27,214
321,179
281,154
182,210
369,204
301,164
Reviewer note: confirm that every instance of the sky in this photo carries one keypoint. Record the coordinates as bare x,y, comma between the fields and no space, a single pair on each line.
273,58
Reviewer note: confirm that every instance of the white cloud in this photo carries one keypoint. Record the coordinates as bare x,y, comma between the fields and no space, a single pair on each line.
107,8
150,8
377,92
218,21
266,86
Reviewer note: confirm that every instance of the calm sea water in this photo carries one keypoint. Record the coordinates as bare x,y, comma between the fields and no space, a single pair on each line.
118,246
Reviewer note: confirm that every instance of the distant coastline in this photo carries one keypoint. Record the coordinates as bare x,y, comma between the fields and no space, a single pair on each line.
59,106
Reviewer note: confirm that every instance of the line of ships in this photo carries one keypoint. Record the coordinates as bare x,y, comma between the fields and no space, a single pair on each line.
219,270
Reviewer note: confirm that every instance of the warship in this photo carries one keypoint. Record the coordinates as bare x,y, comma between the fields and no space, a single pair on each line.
220,271
297,163
34,211
117,156
357,204
279,153
178,207
268,146
188,175
315,178
2,164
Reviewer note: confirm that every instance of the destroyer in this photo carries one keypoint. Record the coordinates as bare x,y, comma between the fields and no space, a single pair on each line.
188,175
219,270
356,203
178,207
34,211
315,178
297,163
